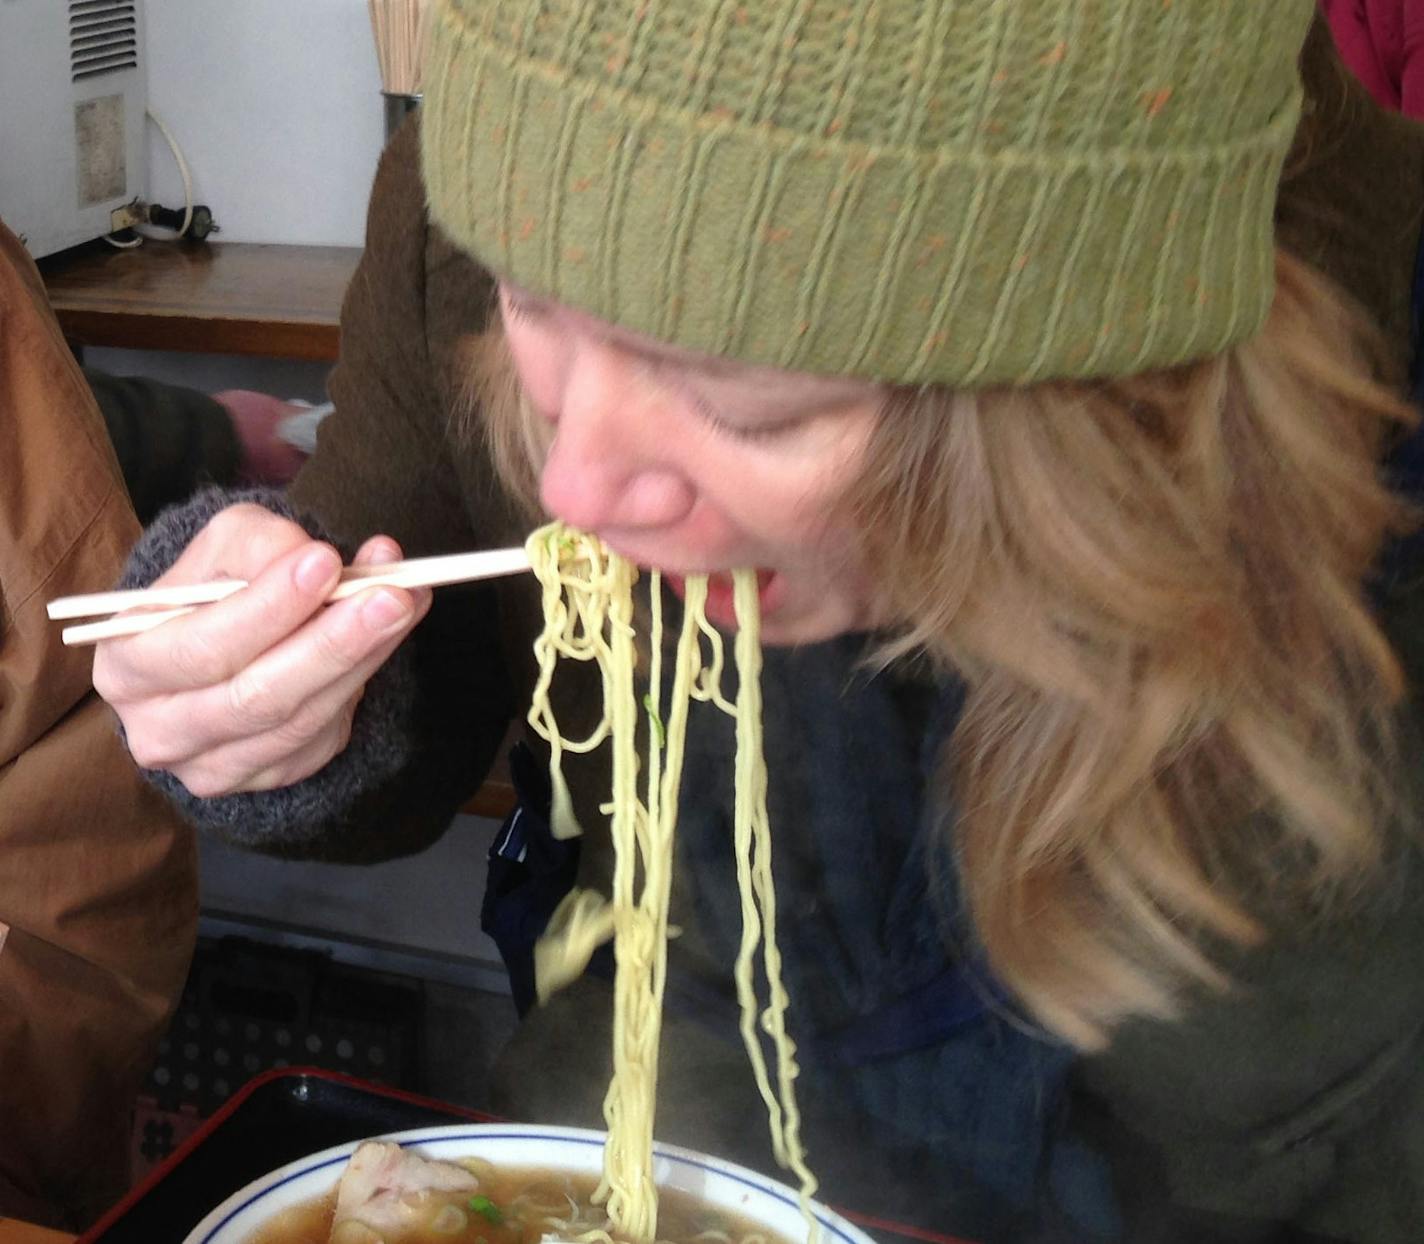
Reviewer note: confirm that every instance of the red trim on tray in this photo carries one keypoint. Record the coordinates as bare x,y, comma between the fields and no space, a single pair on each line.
871,1223
221,1114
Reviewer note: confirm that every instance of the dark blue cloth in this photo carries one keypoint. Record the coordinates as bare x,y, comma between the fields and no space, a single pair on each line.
906,1041
530,871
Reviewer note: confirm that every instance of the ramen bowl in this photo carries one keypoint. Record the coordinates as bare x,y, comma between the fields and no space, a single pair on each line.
762,1203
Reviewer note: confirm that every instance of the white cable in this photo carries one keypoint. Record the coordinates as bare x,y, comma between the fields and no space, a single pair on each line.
182,169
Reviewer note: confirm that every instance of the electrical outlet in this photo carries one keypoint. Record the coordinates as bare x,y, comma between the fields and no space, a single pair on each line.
127,216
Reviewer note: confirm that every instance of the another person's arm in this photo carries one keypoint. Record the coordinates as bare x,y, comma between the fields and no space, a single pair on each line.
171,440
98,889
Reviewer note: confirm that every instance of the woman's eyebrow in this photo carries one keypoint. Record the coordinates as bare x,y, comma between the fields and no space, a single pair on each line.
714,367
711,364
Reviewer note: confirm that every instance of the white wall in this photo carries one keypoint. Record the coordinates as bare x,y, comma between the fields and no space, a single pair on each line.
277,106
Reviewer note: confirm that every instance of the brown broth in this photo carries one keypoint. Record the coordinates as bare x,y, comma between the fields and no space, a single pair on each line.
682,1218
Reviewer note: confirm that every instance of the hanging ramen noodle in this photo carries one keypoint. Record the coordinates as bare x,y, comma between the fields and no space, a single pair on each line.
588,616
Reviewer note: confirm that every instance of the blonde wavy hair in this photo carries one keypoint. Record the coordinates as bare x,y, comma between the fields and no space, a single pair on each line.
1177,724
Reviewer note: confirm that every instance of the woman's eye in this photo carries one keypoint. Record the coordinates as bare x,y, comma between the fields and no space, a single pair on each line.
741,431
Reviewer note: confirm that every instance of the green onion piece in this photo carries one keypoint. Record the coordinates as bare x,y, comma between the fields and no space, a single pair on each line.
656,720
486,1209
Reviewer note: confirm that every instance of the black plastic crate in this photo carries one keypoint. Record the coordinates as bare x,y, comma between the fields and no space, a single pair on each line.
249,1007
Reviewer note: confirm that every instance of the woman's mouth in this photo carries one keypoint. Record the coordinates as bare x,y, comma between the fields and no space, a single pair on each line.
721,608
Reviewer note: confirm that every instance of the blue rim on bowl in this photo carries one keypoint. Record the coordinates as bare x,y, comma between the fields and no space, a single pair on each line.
768,1204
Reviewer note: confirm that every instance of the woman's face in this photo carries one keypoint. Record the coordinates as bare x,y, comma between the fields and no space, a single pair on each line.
690,464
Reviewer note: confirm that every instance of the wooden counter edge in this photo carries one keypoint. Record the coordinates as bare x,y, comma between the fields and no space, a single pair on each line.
495,799
13,1231
291,339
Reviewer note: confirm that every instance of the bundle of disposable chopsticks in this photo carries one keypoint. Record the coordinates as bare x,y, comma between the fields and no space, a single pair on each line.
399,27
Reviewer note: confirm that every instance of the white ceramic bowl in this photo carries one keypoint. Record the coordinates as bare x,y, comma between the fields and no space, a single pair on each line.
758,1200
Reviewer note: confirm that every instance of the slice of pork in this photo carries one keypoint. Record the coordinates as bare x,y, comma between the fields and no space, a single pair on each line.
387,1190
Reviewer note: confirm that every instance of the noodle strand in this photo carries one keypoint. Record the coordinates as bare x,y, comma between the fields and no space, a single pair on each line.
588,612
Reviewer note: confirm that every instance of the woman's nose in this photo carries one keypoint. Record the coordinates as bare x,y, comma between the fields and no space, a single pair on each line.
611,465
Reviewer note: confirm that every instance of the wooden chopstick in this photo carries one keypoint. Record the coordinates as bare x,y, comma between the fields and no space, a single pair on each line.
417,572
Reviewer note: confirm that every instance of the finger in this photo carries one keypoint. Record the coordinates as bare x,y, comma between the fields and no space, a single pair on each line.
382,551
284,754
166,739
213,643
377,551
235,770
288,695
183,733
275,706
313,759
237,543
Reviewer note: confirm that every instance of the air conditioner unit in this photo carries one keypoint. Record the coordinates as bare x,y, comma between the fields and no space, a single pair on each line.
73,90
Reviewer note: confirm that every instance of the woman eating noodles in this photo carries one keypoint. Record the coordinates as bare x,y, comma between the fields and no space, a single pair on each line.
1089,611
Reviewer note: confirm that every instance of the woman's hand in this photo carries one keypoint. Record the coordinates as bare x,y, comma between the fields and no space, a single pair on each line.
257,691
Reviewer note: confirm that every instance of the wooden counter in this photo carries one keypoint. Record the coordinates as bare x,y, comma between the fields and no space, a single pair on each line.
209,297
13,1231
495,799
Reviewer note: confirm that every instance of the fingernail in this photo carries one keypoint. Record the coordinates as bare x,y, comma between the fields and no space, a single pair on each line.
384,611
317,569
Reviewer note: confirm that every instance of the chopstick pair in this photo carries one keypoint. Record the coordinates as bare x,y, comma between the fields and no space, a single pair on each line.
162,604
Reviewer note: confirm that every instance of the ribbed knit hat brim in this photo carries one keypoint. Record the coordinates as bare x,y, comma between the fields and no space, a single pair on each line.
966,266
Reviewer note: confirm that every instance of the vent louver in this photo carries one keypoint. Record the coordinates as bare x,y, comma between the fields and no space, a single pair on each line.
103,37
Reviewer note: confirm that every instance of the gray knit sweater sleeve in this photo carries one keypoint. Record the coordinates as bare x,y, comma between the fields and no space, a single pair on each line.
294,819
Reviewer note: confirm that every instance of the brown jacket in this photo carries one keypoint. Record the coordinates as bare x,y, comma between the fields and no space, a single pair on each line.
1223,1123
98,882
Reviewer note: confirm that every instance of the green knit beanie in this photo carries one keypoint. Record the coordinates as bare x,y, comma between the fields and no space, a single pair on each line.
966,192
